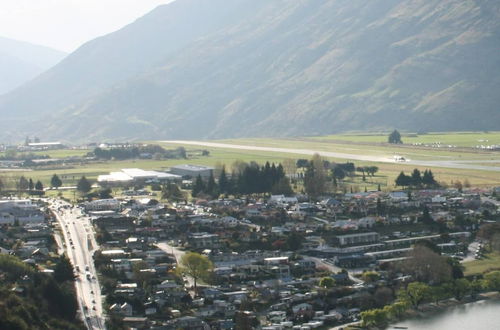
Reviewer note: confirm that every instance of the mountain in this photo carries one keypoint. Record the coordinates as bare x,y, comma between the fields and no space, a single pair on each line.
217,68
22,61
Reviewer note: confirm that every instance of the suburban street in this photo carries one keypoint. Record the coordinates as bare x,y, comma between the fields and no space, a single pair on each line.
177,255
459,164
80,245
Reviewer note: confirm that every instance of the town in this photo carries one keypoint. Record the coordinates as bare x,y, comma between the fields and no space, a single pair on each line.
252,246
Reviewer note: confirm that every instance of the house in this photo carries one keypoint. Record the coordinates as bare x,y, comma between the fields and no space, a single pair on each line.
203,240
122,309
303,309
188,322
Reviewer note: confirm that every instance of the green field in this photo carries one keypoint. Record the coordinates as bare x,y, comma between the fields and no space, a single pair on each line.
489,262
354,144
460,139
373,145
62,153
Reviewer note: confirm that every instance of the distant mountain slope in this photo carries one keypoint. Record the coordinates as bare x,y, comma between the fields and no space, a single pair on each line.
22,61
216,68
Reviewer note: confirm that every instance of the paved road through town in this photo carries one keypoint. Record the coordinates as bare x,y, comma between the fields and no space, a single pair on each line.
80,244
177,253
389,159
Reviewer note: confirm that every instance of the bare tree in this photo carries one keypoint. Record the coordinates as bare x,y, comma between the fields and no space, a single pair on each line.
426,266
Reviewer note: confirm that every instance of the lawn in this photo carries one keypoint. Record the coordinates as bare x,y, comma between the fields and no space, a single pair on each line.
489,262
354,144
460,139
388,171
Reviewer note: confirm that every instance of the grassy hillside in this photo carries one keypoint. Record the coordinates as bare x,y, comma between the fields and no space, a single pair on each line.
277,68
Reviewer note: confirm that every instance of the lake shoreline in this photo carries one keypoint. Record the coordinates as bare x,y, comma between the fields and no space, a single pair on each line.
432,309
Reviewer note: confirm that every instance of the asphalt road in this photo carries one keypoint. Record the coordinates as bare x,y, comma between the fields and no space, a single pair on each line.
177,255
389,159
80,245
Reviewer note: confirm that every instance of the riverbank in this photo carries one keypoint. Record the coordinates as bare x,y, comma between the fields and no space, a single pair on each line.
444,310
427,311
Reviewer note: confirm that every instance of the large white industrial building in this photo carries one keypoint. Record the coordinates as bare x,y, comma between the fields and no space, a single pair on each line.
135,175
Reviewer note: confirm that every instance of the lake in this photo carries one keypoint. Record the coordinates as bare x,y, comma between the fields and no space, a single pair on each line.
481,315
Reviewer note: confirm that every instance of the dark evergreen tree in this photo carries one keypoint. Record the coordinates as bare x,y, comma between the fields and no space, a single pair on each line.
428,178
212,188
395,137
23,184
63,270
105,193
83,185
198,187
416,178
426,217
31,184
39,186
55,181
403,180
223,182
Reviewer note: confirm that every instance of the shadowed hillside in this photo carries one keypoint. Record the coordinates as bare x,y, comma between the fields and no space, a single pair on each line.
212,69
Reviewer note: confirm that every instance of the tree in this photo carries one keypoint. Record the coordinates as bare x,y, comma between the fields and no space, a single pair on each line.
403,180
198,187
338,173
23,184
63,270
31,184
171,191
212,188
223,181
415,293
371,170
39,186
492,280
428,178
374,317
370,276
426,265
2,185
416,178
105,193
327,282
395,137
301,163
426,217
83,185
315,177
290,166
55,181
461,287
196,266
282,187
182,152
383,296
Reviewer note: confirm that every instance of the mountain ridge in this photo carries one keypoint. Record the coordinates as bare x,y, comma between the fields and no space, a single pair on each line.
22,61
281,68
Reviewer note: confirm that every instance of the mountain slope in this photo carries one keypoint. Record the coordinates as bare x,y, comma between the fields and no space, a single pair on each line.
277,67
22,61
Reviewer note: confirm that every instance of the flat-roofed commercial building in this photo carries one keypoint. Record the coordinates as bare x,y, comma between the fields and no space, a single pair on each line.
357,239
192,171
135,175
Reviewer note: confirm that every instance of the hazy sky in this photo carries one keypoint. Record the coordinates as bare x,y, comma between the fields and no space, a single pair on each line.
67,24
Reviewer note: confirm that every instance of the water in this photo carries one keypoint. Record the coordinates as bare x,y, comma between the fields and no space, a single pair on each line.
481,315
